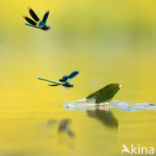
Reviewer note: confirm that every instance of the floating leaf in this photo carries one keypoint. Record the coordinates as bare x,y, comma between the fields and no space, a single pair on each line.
105,94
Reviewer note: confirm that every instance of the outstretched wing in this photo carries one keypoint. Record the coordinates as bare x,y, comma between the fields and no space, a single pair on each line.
53,85
73,74
45,17
64,79
50,81
33,15
30,21
67,78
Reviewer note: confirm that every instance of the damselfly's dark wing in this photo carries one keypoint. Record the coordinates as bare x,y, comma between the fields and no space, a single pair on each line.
45,17
33,15
53,85
66,78
73,74
30,21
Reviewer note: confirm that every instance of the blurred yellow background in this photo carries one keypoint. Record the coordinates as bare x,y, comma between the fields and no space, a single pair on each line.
107,41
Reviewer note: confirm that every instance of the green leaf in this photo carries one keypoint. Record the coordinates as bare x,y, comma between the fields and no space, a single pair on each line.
105,94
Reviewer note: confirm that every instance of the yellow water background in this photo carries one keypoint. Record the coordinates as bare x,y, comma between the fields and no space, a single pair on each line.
107,41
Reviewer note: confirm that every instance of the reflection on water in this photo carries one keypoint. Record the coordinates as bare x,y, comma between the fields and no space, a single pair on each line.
106,117
64,126
65,133
51,123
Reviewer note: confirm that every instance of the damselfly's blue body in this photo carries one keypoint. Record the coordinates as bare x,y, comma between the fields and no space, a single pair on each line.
64,81
36,22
